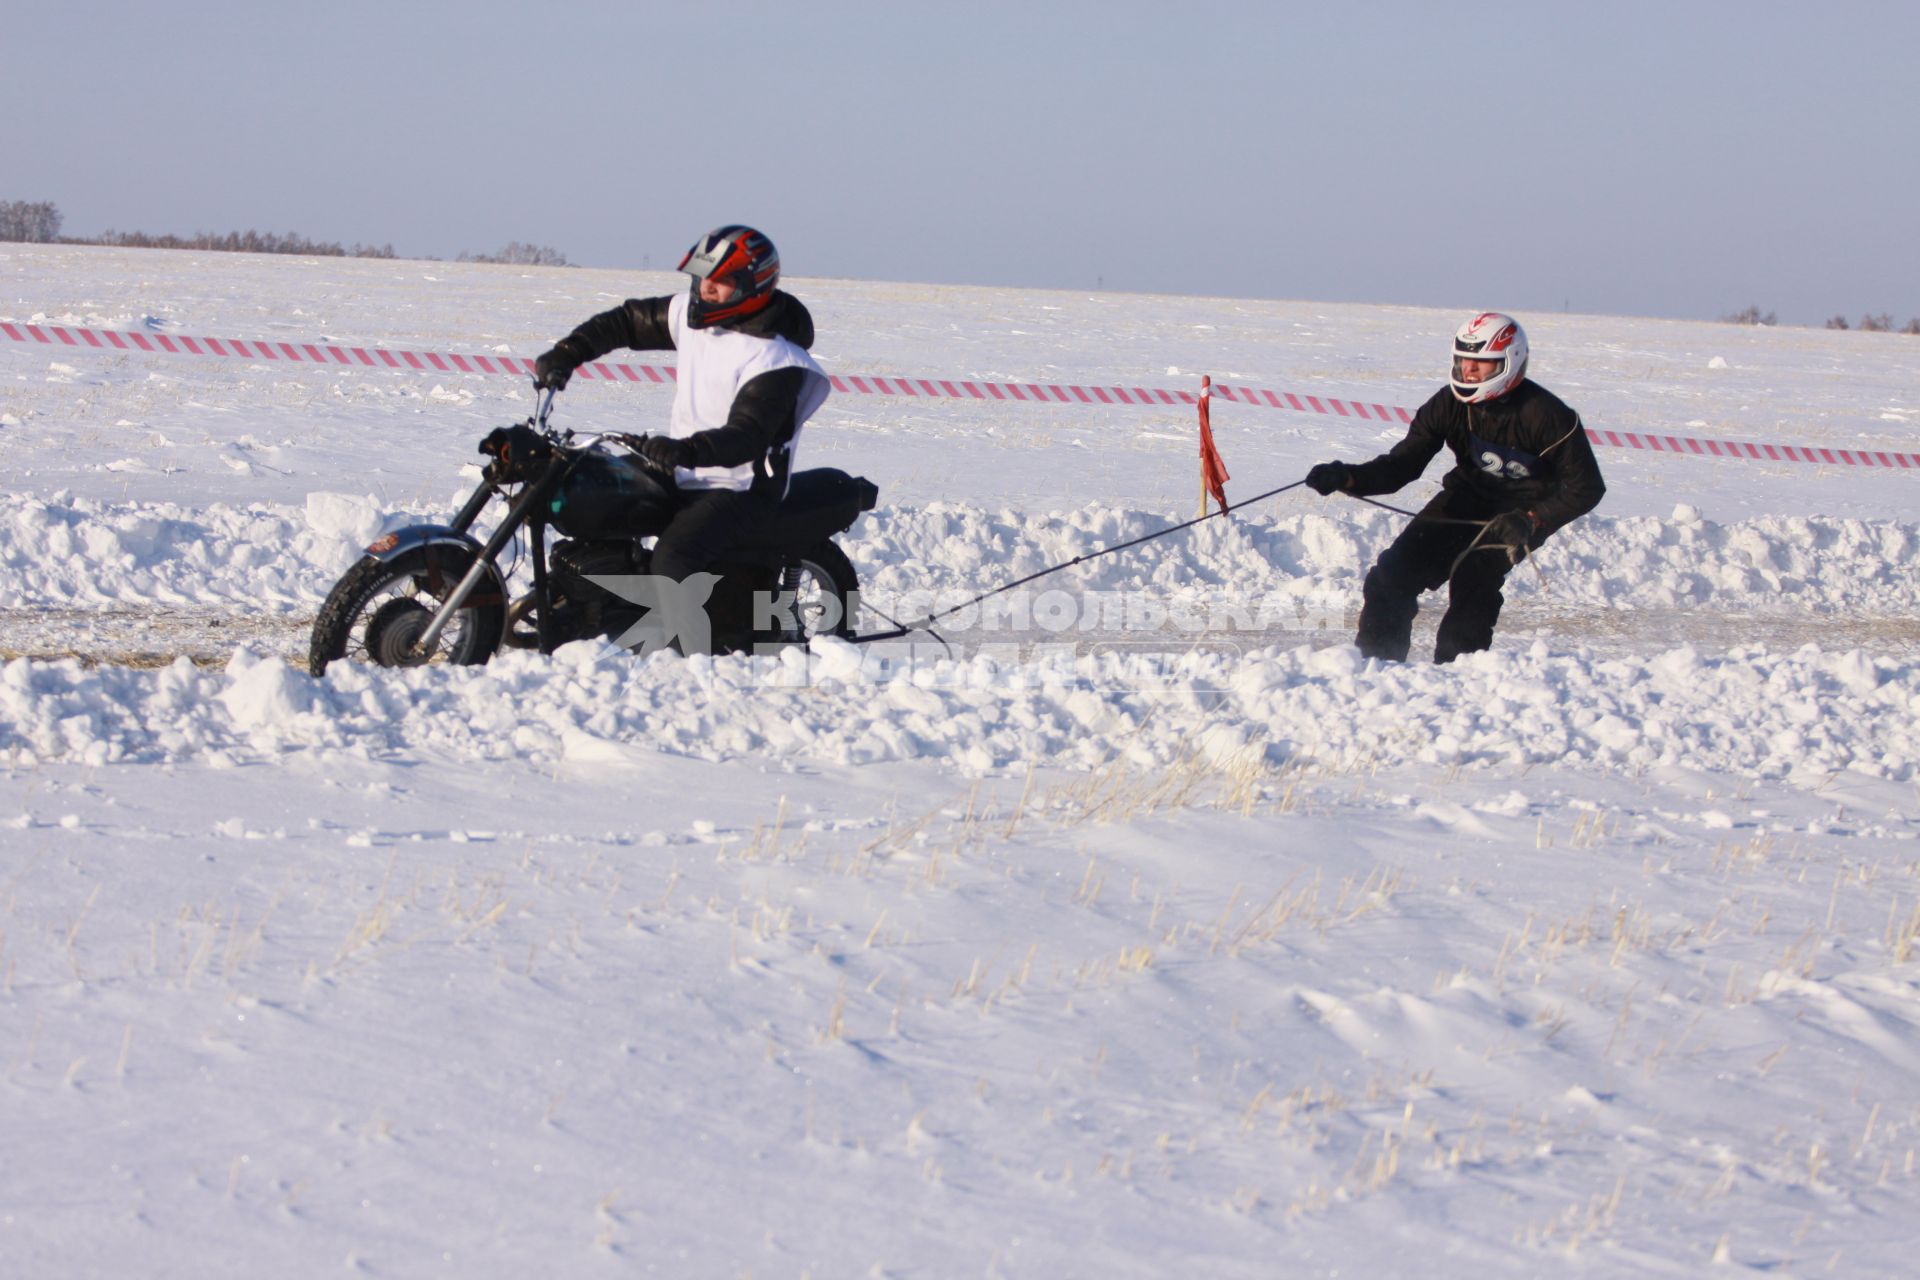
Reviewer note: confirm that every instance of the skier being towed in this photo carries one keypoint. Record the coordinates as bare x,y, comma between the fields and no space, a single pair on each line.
1523,469
744,387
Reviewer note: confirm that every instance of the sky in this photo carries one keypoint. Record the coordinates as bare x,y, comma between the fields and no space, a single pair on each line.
1658,159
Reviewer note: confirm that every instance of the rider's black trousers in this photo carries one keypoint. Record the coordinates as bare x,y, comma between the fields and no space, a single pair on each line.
709,523
1422,558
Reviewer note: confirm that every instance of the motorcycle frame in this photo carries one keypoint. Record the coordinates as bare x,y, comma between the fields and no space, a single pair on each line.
526,511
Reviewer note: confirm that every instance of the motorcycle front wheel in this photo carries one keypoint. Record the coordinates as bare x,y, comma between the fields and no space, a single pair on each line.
378,611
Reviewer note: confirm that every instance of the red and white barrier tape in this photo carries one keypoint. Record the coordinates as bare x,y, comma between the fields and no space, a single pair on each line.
913,388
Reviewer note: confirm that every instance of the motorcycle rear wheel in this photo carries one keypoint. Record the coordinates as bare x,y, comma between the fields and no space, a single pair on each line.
379,609
826,594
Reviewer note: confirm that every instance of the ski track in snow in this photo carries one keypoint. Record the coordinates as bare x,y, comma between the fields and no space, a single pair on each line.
1091,951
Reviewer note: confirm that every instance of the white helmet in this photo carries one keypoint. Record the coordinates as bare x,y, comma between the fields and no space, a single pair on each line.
1490,336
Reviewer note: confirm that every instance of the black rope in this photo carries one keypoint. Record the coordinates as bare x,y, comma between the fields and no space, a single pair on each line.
1515,554
1417,515
900,629
925,624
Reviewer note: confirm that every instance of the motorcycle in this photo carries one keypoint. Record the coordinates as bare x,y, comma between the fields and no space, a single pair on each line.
432,593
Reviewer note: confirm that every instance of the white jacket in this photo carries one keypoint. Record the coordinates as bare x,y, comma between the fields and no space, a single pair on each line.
713,365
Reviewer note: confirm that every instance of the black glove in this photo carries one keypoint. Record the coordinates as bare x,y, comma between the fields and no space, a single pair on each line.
1329,476
517,451
1514,530
556,365
665,452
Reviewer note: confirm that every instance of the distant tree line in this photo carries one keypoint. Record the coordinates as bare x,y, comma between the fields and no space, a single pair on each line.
520,255
31,221
238,242
38,222
1882,323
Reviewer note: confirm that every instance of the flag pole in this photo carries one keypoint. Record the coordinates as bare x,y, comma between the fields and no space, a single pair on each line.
1206,395
1213,472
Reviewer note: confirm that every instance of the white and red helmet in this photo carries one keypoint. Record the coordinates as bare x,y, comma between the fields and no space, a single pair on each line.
1489,336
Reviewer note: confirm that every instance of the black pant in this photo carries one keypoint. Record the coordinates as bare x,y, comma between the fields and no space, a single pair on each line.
708,524
1421,558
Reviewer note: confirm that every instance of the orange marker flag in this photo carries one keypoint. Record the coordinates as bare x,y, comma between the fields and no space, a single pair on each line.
1213,472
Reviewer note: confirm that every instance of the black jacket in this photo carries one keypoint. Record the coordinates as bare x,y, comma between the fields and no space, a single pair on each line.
1525,451
760,420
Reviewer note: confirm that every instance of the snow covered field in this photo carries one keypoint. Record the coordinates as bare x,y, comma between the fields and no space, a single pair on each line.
1093,951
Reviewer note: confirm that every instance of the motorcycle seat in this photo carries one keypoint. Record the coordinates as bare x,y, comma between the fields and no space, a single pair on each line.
819,504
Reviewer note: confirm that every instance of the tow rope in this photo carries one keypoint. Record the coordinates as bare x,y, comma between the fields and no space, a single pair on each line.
1514,554
926,624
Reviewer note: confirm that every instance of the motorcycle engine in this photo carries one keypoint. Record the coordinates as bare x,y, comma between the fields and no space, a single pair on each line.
575,563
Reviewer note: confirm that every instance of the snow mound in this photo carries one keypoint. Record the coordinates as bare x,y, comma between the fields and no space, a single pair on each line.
64,552
1757,713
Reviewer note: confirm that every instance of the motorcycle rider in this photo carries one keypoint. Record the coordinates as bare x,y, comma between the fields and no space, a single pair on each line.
1523,469
744,387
